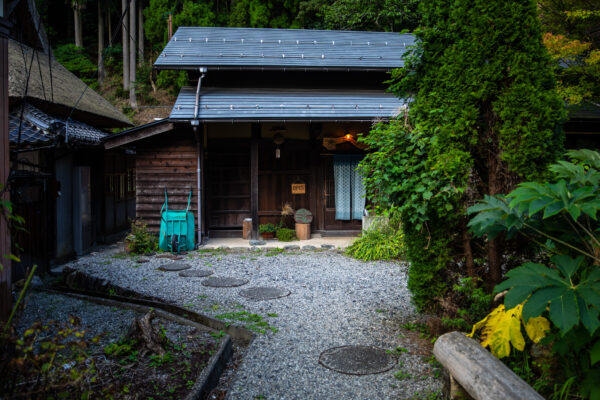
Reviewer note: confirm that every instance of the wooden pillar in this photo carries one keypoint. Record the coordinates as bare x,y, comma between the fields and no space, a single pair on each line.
314,130
5,272
254,179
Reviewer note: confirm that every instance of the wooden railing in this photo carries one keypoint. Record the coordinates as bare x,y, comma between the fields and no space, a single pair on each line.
478,372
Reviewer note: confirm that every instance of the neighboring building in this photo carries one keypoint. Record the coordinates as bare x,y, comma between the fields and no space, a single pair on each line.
71,193
273,120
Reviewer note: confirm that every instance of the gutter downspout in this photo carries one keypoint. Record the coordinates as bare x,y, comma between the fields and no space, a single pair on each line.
195,124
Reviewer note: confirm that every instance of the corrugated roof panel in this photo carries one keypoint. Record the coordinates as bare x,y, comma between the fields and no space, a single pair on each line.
286,104
252,48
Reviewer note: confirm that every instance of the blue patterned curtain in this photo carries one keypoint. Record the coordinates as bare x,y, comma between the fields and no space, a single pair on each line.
349,188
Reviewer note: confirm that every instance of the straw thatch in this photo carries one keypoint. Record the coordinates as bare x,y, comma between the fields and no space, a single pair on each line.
65,92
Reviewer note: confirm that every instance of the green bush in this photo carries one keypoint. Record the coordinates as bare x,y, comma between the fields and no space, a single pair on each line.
267,228
381,242
474,301
286,234
173,81
140,241
75,60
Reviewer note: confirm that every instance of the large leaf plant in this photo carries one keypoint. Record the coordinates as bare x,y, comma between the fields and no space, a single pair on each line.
562,217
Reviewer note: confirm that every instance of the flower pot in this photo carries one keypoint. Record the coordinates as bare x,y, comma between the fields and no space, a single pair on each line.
268,235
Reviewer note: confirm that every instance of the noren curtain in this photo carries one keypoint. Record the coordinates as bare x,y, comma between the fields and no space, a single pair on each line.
349,188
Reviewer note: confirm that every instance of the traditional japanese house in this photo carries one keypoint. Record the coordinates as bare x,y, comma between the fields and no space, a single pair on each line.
70,191
273,117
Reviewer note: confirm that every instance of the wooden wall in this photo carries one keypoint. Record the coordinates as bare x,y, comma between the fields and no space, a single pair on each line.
166,161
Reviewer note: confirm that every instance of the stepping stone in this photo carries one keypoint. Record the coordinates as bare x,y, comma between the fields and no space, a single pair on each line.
357,360
174,267
195,273
163,256
327,246
264,293
142,260
291,247
224,282
309,247
257,243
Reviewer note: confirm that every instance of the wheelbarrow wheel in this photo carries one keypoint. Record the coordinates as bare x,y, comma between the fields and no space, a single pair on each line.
174,244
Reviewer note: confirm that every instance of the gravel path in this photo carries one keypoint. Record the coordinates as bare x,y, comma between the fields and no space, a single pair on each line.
334,301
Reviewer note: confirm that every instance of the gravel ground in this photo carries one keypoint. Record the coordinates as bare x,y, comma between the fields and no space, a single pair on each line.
334,301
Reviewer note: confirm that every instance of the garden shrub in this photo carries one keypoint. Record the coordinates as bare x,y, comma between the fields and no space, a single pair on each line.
474,304
75,60
140,241
384,240
285,234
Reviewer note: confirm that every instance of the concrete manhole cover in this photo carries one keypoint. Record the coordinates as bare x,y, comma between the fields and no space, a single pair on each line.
264,293
224,282
195,273
357,360
174,267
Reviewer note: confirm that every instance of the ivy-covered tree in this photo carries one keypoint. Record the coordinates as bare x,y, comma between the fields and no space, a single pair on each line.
486,115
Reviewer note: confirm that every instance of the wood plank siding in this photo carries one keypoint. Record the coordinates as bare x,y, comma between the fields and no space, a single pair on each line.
170,162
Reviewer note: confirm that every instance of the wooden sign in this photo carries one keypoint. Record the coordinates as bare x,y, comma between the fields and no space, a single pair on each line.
298,188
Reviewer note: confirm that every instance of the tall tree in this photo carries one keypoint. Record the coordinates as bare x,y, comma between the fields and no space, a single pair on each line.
141,30
132,52
486,115
125,42
77,6
101,72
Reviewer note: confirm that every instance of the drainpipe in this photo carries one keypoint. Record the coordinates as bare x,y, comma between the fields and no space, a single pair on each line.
195,125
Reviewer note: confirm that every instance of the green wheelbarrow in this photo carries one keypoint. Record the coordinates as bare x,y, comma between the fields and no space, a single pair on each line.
176,228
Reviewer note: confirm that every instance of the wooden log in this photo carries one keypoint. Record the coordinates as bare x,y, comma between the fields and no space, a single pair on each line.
481,374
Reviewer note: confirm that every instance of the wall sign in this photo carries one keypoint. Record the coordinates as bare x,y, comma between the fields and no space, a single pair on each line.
298,188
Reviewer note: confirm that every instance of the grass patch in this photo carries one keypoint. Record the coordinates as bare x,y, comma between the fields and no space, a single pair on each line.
253,322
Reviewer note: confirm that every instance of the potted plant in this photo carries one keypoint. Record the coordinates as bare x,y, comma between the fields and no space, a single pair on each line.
267,231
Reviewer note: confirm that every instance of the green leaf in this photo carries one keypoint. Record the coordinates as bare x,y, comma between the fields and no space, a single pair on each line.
595,353
564,311
588,316
567,265
552,209
538,302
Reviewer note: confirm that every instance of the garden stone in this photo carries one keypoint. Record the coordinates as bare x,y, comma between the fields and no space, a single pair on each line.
327,246
291,247
195,273
357,360
257,243
174,267
309,247
36,282
142,260
219,282
264,293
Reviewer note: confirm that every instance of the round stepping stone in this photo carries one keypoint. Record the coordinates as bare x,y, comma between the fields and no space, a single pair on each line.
195,273
142,260
264,293
357,360
163,256
174,267
224,282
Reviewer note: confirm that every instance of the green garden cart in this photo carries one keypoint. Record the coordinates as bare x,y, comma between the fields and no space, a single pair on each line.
176,228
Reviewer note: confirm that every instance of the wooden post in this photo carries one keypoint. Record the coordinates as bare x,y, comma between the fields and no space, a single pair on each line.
5,273
481,374
314,130
254,179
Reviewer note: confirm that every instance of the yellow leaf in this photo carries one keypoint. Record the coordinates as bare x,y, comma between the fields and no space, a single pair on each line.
536,328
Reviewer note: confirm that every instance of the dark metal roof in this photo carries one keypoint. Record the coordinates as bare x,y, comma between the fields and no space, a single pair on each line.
38,127
286,104
252,48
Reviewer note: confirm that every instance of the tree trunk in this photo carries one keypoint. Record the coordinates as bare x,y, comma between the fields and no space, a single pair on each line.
77,22
109,24
469,264
132,53
141,30
494,248
125,43
101,73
